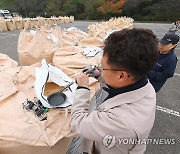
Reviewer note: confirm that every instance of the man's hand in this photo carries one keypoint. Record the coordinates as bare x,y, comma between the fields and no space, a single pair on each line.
82,80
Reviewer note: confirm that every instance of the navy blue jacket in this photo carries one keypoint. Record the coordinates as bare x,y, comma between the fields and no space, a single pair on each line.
164,69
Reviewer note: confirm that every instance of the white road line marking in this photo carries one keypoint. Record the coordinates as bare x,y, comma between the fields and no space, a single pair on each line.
10,34
169,111
177,48
163,27
178,58
177,74
6,37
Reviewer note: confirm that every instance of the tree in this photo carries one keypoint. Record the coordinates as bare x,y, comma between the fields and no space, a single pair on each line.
155,10
51,6
164,10
75,8
5,4
91,9
24,7
112,6
40,7
54,7
129,8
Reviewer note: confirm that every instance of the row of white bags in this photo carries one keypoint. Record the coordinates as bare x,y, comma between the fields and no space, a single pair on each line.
113,24
44,42
70,49
20,23
19,83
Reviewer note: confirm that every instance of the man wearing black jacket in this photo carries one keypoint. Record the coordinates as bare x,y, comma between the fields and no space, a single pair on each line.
166,62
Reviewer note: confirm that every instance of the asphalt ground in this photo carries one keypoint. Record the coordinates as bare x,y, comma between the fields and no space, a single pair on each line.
167,122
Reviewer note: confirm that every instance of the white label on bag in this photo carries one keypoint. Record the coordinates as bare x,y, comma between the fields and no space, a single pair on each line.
92,51
33,32
52,37
71,29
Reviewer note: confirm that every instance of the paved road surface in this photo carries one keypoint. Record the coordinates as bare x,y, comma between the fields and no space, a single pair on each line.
167,123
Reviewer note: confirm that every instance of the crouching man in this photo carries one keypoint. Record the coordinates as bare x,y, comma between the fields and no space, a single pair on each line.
124,107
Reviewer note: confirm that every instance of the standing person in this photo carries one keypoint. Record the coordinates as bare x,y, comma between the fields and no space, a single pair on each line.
166,63
174,27
124,108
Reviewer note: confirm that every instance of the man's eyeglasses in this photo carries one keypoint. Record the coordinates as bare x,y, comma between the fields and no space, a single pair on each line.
99,66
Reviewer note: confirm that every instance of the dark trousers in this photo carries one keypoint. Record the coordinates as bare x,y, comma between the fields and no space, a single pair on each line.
75,146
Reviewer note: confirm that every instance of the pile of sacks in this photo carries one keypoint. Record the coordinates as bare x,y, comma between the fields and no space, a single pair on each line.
35,45
70,49
67,51
104,28
20,23
21,130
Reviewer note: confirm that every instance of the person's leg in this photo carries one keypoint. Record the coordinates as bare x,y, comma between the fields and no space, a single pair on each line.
75,146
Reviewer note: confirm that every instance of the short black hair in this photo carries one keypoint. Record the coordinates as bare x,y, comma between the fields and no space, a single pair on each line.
134,50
